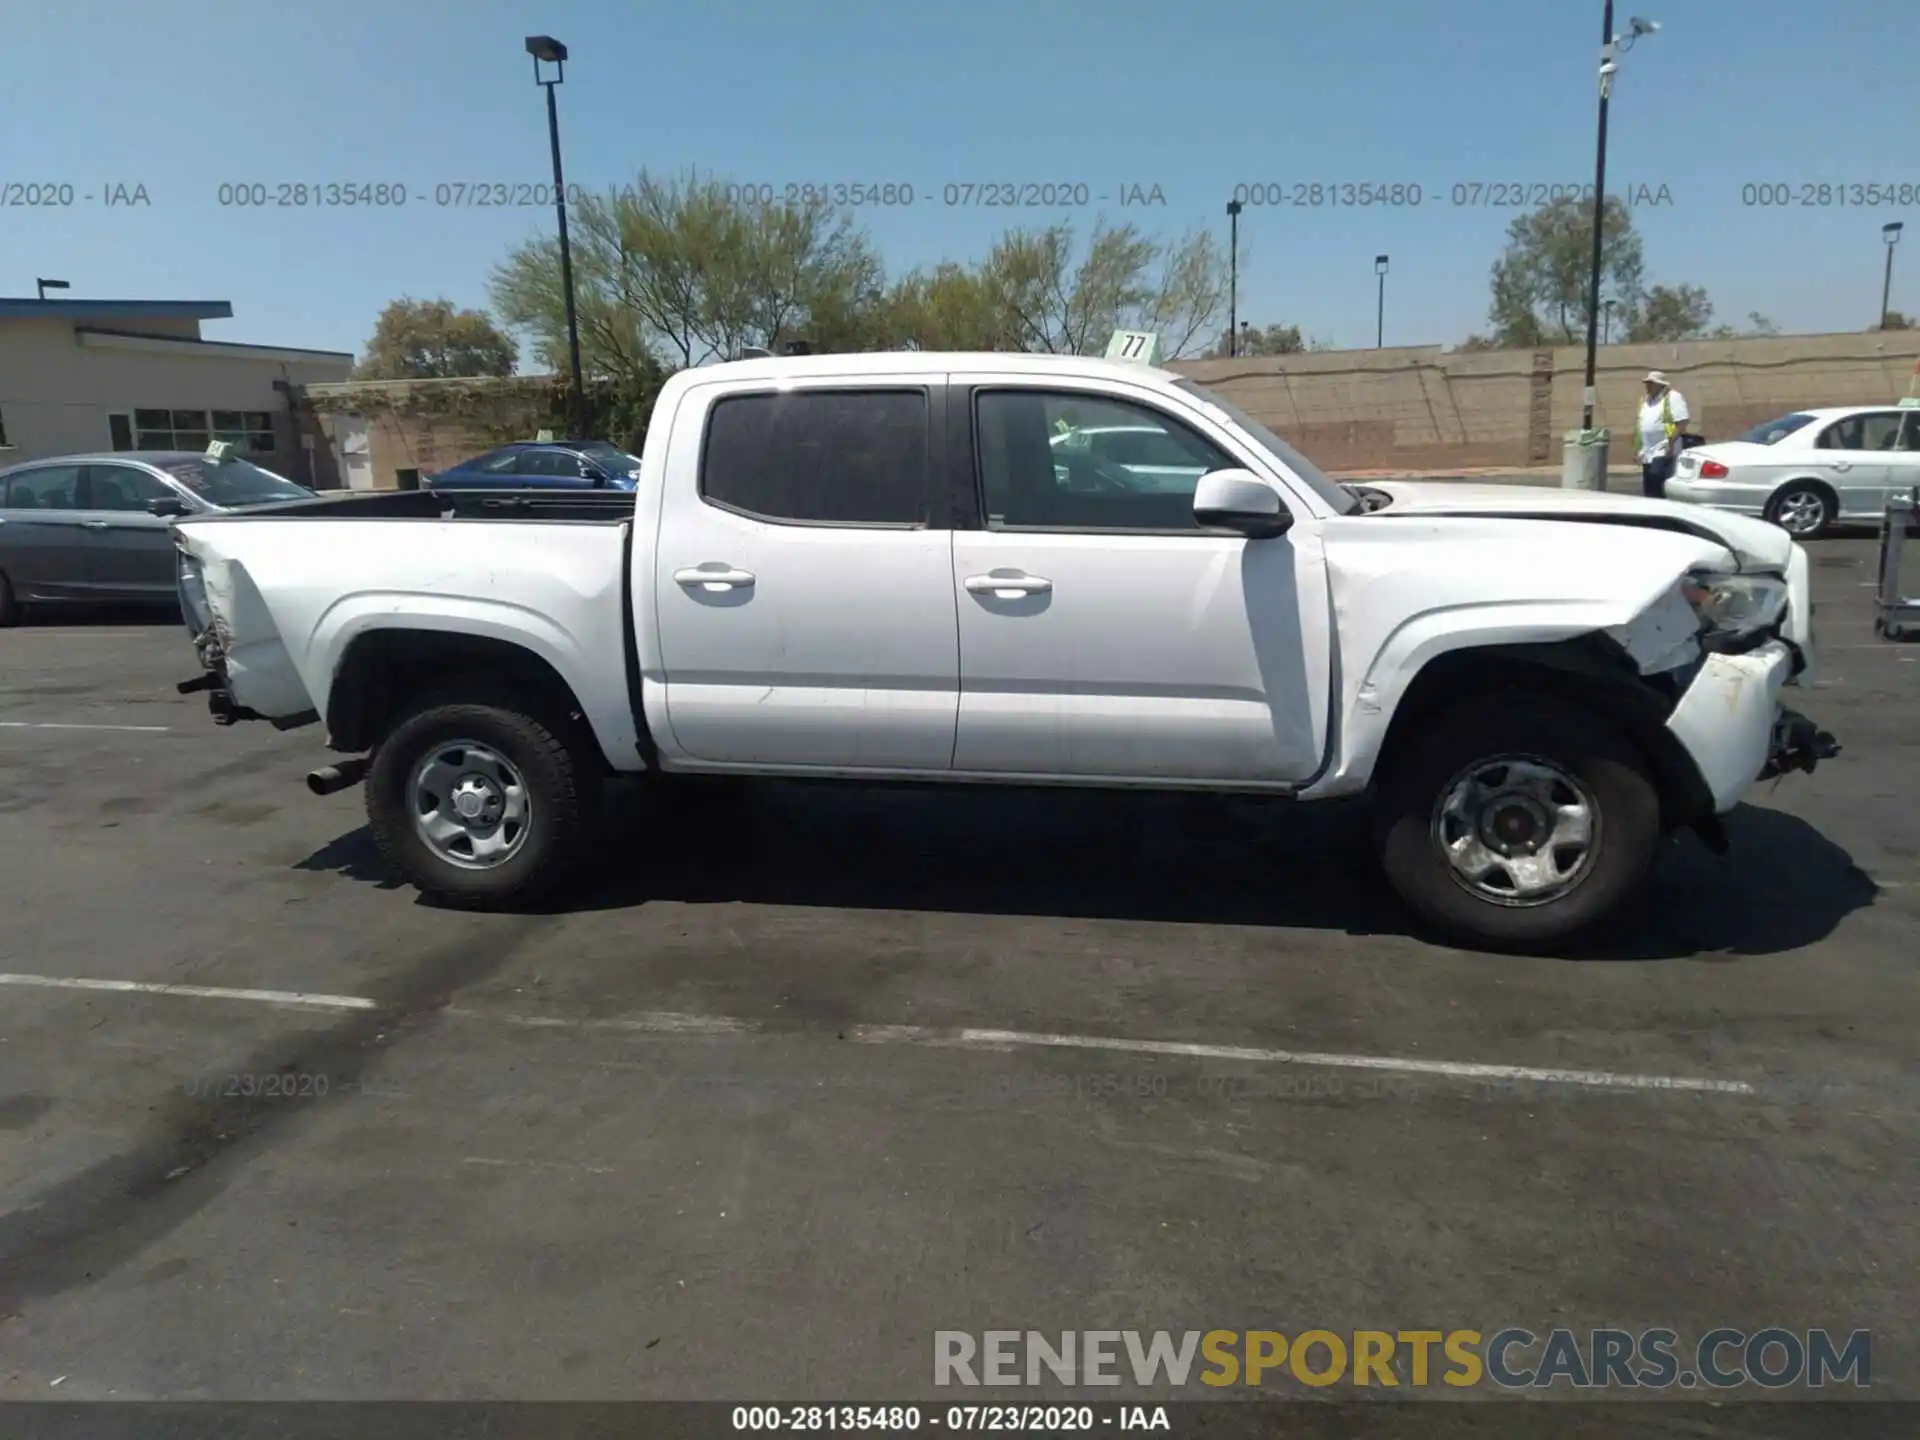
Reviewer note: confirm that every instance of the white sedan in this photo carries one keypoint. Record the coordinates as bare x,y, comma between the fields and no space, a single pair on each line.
1807,471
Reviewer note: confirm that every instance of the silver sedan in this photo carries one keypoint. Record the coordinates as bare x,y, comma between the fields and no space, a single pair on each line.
1808,471
79,529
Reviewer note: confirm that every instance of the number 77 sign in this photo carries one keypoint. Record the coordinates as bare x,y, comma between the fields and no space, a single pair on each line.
1139,346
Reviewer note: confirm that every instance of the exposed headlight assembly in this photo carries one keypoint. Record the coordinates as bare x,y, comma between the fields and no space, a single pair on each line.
1735,610
193,593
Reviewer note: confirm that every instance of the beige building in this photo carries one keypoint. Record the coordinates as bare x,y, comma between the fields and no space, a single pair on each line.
86,375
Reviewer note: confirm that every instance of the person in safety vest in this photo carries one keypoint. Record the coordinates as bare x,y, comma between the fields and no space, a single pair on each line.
1663,417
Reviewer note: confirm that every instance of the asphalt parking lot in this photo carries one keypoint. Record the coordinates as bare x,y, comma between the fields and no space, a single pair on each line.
728,1125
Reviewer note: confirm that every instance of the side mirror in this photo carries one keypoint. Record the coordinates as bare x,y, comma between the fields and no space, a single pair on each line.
167,506
1240,500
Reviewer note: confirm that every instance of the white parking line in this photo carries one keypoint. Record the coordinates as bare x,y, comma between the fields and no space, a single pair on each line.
1452,1069
70,725
294,999
670,1023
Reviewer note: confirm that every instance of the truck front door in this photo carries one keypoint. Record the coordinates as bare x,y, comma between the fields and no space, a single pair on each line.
803,582
1101,632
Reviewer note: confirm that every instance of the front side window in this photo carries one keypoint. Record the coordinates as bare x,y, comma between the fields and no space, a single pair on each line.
1910,436
121,487
821,457
500,462
610,456
1056,460
551,463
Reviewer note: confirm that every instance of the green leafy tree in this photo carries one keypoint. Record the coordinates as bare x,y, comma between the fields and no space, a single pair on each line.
678,270
951,307
1266,340
1540,281
1065,302
1757,327
431,340
1894,320
1670,313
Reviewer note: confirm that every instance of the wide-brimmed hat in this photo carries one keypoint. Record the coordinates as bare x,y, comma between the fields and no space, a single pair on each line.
1656,377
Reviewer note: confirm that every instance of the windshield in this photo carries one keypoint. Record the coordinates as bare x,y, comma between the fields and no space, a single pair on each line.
1343,500
1774,430
234,483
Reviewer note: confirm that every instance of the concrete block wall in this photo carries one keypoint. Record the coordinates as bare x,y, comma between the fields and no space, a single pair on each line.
1428,408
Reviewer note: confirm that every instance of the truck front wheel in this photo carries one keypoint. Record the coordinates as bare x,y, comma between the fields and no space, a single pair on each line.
1516,822
478,805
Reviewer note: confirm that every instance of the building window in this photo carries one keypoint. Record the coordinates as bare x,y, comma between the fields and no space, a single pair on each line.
251,430
120,427
3,432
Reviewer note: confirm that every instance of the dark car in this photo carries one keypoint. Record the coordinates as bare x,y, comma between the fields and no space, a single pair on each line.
96,528
531,464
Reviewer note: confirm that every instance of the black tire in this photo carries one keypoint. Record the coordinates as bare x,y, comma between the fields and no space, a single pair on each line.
9,607
1798,495
1625,823
560,781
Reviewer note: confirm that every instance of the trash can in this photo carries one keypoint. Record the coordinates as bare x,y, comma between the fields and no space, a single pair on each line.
1584,463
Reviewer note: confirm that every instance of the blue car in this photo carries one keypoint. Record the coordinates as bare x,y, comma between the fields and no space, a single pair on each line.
537,464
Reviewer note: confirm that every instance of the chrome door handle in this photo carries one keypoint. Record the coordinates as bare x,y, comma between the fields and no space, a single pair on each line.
93,524
1843,464
714,580
1007,587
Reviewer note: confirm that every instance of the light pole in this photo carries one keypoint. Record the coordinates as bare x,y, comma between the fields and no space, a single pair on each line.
1233,277
46,285
1611,48
1380,310
1891,234
545,47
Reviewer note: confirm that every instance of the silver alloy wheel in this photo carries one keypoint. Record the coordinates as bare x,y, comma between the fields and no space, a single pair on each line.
470,805
1800,512
1516,830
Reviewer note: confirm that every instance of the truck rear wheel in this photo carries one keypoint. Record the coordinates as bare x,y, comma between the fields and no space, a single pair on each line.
1517,822
479,804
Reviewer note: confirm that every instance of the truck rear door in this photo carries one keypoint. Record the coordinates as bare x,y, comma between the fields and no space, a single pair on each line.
803,579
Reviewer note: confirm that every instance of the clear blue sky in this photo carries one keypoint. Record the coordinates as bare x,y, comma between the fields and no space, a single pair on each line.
1194,97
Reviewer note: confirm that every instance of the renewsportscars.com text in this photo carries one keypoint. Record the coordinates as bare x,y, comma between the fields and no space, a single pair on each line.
1509,1359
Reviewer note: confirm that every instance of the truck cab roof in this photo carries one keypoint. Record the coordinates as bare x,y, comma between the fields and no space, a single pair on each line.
927,362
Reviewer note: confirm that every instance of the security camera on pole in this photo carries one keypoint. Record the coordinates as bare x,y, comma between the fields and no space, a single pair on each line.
1584,466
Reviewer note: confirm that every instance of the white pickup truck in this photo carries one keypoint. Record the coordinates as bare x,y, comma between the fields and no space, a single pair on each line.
1031,570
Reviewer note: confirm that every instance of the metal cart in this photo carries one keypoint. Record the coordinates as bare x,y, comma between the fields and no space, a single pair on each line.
1894,611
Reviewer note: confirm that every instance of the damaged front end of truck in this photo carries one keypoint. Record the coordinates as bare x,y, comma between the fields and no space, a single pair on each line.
250,678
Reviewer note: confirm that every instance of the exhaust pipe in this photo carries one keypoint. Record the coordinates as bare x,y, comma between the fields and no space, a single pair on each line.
329,779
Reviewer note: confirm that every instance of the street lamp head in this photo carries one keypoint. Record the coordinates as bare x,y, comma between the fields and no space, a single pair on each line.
1379,264
46,285
545,47
1636,26
1233,207
1890,232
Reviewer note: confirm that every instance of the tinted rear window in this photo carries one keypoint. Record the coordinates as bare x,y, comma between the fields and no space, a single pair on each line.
829,457
234,483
